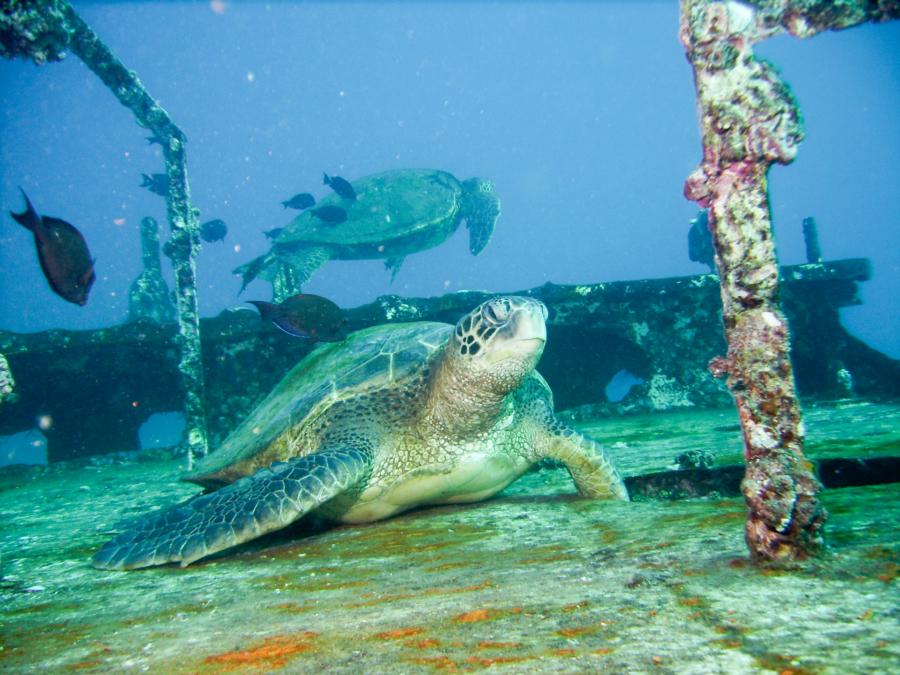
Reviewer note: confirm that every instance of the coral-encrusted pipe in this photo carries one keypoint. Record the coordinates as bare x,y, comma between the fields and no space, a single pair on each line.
748,121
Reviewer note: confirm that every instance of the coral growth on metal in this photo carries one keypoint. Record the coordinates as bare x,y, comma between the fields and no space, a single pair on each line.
31,29
750,120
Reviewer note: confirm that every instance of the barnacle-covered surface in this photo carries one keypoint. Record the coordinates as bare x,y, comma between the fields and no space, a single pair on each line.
535,579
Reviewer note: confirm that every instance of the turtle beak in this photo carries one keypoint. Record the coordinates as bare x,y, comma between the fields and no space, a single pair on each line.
527,330
531,323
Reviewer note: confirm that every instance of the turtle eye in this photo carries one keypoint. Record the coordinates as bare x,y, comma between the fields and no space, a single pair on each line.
497,311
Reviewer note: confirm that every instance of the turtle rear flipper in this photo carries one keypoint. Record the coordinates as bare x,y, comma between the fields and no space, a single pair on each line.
481,209
295,262
269,500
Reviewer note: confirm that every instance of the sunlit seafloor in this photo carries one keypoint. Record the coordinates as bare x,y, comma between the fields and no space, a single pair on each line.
535,579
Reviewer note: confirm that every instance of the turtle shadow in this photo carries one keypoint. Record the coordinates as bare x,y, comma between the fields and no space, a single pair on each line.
290,541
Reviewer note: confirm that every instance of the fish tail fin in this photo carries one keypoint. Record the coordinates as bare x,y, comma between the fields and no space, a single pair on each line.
29,218
326,179
265,309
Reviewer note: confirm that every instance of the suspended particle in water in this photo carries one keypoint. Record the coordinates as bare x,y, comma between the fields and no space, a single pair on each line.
44,422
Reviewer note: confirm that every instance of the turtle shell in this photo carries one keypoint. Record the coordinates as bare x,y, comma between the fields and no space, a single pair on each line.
373,358
389,206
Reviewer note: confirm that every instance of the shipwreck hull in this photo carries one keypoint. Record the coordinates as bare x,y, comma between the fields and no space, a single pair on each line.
94,389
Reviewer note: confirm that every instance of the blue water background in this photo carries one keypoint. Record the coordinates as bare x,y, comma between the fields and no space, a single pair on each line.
583,114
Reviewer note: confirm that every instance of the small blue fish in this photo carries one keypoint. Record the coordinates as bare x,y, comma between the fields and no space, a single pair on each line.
302,201
158,183
213,230
333,215
341,186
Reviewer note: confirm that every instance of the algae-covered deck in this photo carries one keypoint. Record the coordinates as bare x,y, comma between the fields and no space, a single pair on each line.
535,580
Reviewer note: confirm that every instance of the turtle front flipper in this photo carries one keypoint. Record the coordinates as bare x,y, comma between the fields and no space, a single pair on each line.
481,209
393,264
587,462
269,500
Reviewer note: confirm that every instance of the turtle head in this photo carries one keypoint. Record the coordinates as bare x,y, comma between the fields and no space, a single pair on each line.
500,342
481,209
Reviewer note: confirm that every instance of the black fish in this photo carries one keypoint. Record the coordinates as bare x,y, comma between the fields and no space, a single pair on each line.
341,186
302,201
307,316
274,232
213,230
63,253
330,214
158,183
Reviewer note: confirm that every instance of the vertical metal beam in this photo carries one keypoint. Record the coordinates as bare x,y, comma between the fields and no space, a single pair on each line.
750,120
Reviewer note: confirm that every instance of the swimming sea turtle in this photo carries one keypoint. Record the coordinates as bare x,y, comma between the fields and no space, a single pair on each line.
395,417
395,213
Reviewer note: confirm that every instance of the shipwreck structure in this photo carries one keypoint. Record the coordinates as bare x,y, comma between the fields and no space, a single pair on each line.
98,387
43,30
749,120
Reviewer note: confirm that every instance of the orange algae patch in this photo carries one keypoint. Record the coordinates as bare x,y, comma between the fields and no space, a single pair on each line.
563,652
498,645
890,573
545,553
399,633
376,600
602,651
427,643
578,630
474,615
273,652
576,606
487,662
448,566
437,662
83,665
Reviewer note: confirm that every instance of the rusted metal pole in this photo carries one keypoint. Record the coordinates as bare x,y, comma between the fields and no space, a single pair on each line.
749,120
42,30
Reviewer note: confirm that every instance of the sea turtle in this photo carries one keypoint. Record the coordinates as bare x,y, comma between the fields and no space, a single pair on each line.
396,416
395,213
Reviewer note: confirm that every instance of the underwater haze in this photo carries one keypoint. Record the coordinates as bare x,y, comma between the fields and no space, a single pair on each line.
582,114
